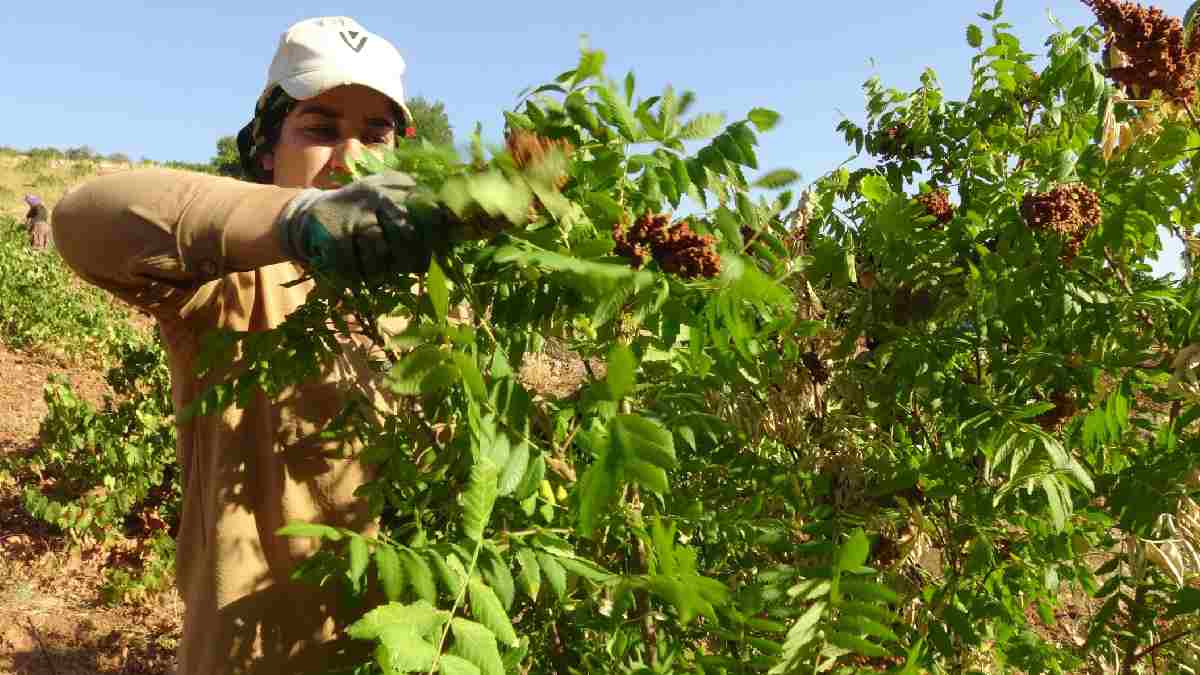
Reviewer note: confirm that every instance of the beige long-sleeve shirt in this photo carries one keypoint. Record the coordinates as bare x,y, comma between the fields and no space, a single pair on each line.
169,241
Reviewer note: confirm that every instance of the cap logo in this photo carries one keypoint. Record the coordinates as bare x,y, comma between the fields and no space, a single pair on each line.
350,36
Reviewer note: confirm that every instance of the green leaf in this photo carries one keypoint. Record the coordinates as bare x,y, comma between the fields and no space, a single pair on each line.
391,576
450,570
406,376
636,437
704,125
419,575
479,498
591,64
486,607
779,178
1189,22
555,575
401,650
620,376
450,664
532,478
763,119
514,469
499,577
596,490
585,568
730,150
470,375
855,644
360,557
477,645
618,113
974,36
867,589
301,529
679,172
530,576
420,617
799,635
439,290
1067,159
854,552
647,475
630,82
866,626
875,188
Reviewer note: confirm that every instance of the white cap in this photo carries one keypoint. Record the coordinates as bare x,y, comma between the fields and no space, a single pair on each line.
316,55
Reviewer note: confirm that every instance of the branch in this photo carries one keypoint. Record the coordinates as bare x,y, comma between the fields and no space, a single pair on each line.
1163,643
462,593
1124,281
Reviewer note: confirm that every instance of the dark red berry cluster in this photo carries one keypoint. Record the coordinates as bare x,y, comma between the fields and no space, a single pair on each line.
1152,53
677,249
817,369
1064,408
937,204
893,142
1071,211
528,149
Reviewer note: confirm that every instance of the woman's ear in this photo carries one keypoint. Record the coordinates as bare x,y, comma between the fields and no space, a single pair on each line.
267,162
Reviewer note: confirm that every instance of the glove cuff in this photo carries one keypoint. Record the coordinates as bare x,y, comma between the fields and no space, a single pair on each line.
290,222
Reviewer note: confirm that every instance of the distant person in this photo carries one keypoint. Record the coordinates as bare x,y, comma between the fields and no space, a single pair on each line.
201,252
37,223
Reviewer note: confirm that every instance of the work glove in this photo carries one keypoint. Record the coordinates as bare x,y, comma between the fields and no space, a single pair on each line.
364,231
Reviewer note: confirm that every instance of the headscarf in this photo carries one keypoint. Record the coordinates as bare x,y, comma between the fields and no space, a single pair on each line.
261,134
33,200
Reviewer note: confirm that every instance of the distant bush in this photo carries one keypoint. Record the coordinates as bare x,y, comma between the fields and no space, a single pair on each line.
81,152
119,157
190,166
33,164
47,182
84,169
45,153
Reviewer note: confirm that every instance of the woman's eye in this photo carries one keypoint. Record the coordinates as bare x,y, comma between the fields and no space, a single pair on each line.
323,133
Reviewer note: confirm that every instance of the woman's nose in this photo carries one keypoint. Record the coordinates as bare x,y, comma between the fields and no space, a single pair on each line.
345,153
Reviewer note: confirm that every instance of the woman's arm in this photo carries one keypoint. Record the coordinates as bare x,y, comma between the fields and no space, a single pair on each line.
154,236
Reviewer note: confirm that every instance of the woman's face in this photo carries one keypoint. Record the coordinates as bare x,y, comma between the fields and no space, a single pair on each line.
322,134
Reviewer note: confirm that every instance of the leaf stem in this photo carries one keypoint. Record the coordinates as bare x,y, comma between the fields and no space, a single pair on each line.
462,593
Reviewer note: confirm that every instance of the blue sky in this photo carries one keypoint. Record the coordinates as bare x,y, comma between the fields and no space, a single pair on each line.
164,81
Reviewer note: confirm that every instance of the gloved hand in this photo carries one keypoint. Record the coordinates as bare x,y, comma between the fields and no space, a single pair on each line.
364,230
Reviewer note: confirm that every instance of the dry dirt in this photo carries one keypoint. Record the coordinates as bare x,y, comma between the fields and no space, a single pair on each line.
52,621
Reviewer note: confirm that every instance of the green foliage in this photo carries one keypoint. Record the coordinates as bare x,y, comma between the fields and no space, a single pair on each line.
227,161
431,121
154,574
759,479
111,464
46,309
96,473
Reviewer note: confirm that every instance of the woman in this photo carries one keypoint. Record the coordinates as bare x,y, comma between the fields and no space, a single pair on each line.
202,252
37,222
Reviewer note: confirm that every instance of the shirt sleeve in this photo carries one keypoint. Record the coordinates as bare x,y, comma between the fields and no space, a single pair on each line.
154,237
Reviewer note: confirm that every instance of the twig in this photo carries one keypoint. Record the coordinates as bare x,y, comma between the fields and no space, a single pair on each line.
1163,643
462,593
1187,107
649,629
1124,281
38,637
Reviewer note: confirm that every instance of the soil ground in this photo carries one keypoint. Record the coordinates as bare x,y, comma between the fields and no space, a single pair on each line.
52,619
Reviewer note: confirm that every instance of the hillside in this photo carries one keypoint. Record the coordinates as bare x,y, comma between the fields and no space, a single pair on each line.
54,616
